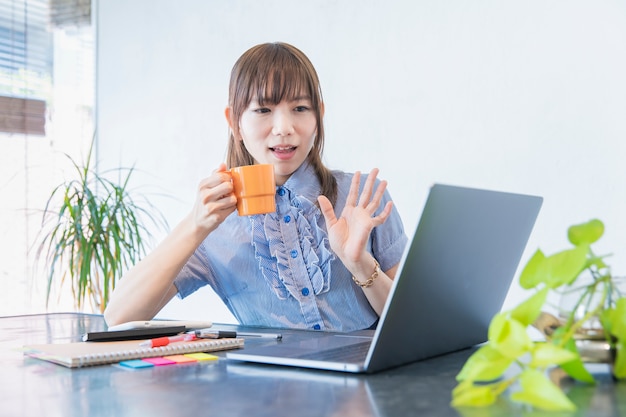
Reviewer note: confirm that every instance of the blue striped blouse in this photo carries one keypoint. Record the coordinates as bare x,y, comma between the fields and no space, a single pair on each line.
278,270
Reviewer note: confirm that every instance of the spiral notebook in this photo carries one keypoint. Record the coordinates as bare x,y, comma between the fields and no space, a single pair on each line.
76,355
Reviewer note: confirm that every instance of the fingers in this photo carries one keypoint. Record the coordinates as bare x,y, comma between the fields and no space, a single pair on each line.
369,202
382,217
215,192
364,200
215,187
378,196
353,193
327,210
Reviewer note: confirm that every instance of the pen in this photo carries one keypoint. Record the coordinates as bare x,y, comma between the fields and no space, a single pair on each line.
218,334
164,341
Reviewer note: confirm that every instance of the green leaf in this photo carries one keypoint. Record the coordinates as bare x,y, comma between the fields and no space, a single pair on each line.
467,394
585,233
528,311
532,274
576,367
618,319
614,322
546,354
556,270
619,367
538,391
486,364
606,318
614,319
508,336
563,267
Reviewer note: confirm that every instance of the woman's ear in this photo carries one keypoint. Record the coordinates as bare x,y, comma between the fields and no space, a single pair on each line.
228,114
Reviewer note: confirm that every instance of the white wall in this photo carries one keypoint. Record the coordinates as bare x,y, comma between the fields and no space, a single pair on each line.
523,96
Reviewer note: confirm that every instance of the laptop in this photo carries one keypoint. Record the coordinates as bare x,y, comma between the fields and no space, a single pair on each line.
453,278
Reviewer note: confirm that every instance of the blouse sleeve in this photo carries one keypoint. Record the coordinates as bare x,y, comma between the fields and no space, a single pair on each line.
389,240
194,274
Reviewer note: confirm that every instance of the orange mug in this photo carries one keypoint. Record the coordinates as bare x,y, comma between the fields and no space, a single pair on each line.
255,188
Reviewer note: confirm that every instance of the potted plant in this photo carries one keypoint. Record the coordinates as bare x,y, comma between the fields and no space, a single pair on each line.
511,361
93,229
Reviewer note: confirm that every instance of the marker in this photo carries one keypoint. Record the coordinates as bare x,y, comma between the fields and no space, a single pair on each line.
164,341
219,334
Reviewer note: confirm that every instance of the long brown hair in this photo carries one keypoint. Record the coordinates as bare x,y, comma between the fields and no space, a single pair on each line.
273,72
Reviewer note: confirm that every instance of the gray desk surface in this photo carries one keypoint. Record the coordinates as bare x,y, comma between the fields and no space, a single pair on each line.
30,387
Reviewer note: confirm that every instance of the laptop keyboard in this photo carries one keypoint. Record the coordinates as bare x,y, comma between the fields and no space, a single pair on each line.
353,353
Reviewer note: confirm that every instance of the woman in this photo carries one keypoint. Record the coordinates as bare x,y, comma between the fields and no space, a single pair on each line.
302,266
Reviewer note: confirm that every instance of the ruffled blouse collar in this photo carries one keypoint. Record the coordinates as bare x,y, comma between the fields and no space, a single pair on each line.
276,244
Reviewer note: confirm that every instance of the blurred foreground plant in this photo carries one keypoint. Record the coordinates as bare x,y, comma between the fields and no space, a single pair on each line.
599,311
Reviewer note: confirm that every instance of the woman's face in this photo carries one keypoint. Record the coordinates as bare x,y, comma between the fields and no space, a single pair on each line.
279,134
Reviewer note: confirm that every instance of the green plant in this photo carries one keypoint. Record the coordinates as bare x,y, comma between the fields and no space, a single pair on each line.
92,230
510,347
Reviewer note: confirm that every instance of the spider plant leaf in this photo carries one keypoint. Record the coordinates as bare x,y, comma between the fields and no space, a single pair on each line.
94,233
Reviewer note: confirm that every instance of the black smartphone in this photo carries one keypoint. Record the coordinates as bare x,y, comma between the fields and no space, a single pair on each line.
133,334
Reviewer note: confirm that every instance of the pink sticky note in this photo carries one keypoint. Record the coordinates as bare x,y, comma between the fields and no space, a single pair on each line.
159,361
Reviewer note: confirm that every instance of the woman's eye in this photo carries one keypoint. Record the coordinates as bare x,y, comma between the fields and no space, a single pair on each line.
301,108
262,110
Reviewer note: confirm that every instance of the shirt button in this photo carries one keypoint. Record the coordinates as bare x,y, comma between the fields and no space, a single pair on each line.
294,253
281,191
305,291
287,218
317,327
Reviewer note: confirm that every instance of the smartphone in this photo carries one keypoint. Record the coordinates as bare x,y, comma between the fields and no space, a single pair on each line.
133,334
149,324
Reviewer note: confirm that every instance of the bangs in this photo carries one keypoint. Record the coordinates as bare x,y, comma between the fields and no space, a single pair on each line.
277,74
281,79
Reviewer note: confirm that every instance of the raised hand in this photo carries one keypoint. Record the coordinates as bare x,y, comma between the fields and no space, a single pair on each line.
348,234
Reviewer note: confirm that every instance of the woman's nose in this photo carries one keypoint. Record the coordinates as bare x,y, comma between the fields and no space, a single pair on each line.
283,124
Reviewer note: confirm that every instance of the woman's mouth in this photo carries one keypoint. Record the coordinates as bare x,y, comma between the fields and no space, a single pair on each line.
284,151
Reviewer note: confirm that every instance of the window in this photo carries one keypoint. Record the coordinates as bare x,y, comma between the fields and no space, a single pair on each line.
25,65
47,95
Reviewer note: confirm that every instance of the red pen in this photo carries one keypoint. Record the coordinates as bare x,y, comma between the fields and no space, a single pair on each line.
164,341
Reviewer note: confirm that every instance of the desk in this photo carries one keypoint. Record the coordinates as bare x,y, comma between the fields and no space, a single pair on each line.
30,387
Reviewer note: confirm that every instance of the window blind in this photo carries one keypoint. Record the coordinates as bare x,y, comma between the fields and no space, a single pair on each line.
65,13
25,65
